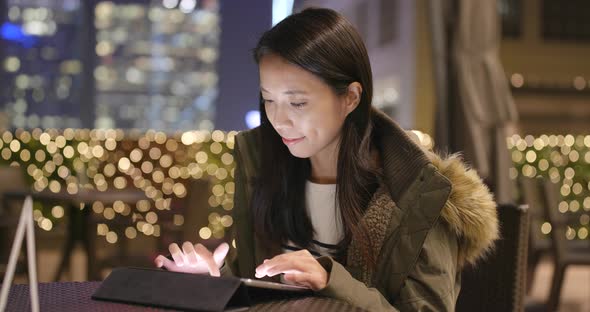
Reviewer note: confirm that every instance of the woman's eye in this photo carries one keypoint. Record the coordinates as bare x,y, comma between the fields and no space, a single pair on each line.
298,105
266,101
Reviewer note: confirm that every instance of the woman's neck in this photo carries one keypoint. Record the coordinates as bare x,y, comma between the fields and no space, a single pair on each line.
324,166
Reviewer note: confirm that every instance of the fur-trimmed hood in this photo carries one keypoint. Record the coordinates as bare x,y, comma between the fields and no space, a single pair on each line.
470,210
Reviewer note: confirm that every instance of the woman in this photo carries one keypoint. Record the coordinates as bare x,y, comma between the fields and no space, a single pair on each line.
333,195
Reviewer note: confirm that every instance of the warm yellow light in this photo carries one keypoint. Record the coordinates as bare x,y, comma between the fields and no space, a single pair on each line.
570,233
98,207
109,213
60,141
6,153
110,144
227,221
577,188
574,156
118,206
124,164
179,190
97,151
158,176
46,224
201,157
216,147
187,138
25,155
166,161
102,229
221,174
563,207
130,232
160,138
15,146
574,206
174,172
546,228
120,183
155,153
543,164
583,233
63,172
171,145
57,211
230,187
143,205
569,140
151,217
531,156
205,233
147,229
54,186
227,159
45,138
214,218
112,237
569,173
82,148
68,152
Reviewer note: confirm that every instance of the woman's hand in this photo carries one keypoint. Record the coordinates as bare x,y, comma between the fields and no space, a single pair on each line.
194,259
299,267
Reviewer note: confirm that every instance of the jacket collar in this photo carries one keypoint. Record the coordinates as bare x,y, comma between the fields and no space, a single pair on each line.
402,159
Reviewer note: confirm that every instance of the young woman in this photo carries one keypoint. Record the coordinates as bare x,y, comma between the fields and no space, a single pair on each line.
333,194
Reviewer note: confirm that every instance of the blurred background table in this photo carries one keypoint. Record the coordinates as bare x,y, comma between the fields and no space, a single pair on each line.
75,296
79,226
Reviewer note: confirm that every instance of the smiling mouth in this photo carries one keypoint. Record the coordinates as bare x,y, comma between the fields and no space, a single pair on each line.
292,141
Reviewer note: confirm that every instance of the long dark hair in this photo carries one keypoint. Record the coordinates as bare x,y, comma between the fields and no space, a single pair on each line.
324,43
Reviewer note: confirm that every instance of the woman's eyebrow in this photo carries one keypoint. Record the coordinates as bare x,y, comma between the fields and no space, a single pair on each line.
290,92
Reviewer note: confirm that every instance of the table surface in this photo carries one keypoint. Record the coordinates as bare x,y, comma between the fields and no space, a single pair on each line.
75,296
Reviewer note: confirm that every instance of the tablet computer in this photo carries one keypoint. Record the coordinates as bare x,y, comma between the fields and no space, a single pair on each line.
272,285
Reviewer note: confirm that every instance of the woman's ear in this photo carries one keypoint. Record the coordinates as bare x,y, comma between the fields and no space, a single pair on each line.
353,96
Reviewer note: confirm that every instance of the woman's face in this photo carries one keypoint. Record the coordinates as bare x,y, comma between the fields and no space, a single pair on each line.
302,108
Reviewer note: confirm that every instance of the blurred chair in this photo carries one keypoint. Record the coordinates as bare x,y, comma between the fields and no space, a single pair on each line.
564,255
11,179
532,195
497,283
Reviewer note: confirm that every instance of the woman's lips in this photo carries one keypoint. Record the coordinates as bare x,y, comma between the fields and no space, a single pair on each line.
292,141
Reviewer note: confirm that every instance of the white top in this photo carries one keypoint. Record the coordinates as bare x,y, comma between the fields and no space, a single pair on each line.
320,202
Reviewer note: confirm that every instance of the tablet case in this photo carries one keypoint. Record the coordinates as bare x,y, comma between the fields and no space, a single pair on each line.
183,291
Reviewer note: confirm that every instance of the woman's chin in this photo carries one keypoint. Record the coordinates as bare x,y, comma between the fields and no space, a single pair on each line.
299,153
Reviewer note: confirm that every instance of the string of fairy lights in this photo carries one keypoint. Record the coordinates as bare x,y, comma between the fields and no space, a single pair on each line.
565,160
161,165
157,163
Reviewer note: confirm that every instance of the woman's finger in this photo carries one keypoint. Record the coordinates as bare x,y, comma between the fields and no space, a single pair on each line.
164,262
177,254
190,254
220,253
207,256
289,266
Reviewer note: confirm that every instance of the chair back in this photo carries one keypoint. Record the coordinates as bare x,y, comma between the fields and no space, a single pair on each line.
497,283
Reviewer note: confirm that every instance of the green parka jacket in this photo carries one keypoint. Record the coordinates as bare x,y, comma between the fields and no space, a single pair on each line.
429,217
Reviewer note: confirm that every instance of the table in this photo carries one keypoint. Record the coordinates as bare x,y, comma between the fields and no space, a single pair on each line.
78,229
75,296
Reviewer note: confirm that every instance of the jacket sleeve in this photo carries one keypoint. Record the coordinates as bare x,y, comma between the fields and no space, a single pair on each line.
432,285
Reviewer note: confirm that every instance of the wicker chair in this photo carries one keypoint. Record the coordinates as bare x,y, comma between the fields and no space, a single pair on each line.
497,283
